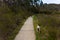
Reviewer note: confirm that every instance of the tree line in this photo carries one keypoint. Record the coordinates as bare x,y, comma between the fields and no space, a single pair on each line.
28,4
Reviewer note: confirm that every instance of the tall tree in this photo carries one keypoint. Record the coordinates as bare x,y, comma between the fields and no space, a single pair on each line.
41,3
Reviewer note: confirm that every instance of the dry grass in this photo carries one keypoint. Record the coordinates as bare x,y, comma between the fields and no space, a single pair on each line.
50,26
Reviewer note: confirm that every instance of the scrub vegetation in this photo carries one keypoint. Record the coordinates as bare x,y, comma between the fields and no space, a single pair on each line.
50,26
13,14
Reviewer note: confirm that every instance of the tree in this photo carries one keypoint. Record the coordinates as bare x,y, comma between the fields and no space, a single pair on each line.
41,3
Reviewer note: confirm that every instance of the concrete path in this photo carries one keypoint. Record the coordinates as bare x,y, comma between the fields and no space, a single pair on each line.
27,31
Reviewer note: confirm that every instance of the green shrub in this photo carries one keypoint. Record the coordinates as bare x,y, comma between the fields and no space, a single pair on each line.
49,25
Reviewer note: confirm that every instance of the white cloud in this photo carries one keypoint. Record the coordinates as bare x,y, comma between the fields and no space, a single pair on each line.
51,1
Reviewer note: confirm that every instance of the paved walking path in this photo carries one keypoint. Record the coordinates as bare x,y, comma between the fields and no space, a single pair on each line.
27,31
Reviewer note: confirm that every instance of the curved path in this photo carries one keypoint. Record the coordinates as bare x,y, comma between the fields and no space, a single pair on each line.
27,31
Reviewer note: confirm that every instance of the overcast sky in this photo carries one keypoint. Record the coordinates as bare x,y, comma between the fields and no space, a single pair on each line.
51,1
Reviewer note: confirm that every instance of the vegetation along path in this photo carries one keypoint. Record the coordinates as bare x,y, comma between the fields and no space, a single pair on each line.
27,31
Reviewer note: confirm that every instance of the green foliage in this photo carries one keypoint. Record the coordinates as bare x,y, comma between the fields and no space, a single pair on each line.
13,15
49,26
11,21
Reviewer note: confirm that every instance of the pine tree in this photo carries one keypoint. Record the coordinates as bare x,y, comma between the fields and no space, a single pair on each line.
41,3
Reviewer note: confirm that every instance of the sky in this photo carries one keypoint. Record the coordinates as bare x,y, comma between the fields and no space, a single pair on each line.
51,1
